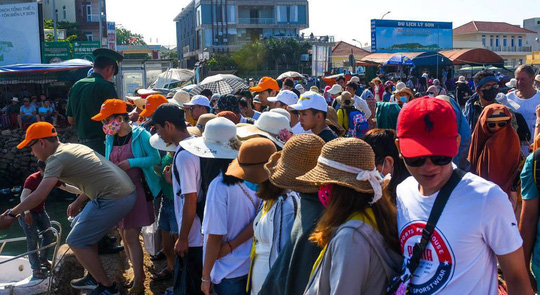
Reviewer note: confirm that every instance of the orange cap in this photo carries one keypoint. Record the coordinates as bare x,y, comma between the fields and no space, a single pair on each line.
36,131
111,107
264,84
152,103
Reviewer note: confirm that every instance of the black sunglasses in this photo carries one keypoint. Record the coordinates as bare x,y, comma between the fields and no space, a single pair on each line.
493,124
419,161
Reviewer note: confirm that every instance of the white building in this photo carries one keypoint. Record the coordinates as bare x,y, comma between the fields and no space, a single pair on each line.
533,24
508,41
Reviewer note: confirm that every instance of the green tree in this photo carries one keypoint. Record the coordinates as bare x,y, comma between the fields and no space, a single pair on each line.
251,56
172,55
123,37
73,31
221,61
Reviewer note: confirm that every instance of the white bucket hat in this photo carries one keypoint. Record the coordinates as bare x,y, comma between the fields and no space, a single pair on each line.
158,143
461,79
512,83
180,98
271,125
218,141
282,112
336,88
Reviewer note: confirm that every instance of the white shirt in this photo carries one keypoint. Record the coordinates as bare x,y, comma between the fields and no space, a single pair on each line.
476,224
361,105
298,129
527,108
189,170
227,212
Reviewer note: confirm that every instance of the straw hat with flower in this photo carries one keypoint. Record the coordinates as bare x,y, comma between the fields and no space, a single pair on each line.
299,155
271,125
249,165
358,172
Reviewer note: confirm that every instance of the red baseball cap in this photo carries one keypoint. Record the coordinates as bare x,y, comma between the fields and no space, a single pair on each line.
427,127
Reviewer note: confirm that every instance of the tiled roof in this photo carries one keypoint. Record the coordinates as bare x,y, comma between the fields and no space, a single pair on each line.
343,48
492,27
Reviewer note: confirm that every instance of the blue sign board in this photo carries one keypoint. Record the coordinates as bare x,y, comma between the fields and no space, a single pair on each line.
410,36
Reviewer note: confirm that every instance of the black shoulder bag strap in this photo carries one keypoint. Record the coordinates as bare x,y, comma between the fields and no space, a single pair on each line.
175,172
436,211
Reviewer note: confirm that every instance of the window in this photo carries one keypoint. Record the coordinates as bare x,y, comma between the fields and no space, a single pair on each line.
505,43
64,11
496,41
520,41
281,14
491,40
513,42
231,14
294,14
484,40
88,13
89,36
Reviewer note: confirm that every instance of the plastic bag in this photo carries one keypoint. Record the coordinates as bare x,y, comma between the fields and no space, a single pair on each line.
151,239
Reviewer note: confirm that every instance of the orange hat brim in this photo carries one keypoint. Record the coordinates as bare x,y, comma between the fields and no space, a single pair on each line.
24,143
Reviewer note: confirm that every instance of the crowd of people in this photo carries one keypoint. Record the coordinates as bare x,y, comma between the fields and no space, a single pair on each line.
21,112
279,190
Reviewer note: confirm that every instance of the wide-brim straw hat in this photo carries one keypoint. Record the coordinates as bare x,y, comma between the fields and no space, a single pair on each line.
160,145
377,79
137,101
299,155
332,121
406,91
334,150
198,129
249,165
218,141
271,125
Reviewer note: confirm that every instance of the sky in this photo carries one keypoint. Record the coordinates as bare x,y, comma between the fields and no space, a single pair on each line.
344,19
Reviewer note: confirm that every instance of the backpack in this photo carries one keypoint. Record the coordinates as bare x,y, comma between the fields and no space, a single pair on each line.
536,168
358,124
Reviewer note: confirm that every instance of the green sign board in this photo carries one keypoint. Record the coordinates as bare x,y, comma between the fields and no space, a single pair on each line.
53,52
84,49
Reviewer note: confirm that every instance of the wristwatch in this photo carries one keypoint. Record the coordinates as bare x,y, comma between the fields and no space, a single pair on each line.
10,214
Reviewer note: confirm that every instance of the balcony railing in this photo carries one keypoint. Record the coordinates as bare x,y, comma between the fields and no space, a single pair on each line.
509,48
256,21
92,18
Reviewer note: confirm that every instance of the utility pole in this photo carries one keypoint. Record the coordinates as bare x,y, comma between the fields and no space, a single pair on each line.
100,25
54,19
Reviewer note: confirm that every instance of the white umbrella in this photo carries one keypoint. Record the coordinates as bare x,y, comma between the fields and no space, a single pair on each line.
290,74
221,84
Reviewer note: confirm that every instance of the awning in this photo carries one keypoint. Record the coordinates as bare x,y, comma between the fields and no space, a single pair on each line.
476,56
420,59
71,70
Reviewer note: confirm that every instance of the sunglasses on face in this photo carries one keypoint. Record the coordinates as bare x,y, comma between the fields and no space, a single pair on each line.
420,161
500,124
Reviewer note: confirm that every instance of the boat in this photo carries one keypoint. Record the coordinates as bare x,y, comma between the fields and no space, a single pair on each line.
16,275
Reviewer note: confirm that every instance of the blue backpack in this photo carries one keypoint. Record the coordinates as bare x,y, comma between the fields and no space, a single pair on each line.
358,124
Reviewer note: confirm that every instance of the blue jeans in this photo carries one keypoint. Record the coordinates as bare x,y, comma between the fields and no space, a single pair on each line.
234,286
40,222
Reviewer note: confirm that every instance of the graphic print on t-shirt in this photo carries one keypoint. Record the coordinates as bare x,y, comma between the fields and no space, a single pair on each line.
437,263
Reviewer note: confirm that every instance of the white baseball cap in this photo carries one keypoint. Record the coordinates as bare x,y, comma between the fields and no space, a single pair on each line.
400,86
336,88
537,78
299,87
310,100
285,96
198,100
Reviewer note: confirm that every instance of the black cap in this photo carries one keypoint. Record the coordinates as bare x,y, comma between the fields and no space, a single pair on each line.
109,54
167,112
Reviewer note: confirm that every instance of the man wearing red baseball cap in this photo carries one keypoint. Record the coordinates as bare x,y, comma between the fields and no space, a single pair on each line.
110,190
476,225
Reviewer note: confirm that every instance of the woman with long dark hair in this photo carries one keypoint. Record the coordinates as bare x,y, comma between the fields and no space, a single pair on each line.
358,231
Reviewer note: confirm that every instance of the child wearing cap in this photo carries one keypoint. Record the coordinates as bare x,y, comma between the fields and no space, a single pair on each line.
312,108
129,148
461,259
110,190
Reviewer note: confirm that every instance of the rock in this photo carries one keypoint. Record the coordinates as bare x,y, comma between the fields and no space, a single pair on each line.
9,156
6,132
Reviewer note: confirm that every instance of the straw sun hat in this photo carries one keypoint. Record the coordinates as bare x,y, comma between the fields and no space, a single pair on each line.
332,121
358,172
271,125
249,165
299,155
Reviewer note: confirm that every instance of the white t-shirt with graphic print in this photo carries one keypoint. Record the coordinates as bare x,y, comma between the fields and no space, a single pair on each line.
476,224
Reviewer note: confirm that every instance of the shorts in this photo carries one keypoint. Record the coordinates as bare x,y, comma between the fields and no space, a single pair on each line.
97,218
167,218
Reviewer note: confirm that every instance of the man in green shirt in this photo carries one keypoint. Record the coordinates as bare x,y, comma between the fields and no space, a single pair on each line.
87,96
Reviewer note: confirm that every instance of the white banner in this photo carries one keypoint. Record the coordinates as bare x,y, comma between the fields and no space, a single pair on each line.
19,34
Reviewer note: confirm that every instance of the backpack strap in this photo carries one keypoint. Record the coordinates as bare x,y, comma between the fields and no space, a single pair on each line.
536,167
176,174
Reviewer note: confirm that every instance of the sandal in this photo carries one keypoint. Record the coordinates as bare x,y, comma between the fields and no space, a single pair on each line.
159,256
162,275
128,284
136,290
38,274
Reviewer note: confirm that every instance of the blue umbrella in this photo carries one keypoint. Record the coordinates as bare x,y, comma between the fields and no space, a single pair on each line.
399,60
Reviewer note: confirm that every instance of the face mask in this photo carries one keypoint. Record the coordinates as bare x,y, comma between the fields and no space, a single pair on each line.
112,127
431,95
325,191
252,186
490,94
382,169
403,98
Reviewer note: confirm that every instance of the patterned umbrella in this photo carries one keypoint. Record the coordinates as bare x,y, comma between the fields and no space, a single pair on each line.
221,84
291,74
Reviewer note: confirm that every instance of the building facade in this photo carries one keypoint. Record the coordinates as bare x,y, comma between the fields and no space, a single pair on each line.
508,41
84,12
533,24
225,25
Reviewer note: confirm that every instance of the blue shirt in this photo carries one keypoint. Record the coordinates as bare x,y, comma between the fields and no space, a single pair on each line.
529,191
28,111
